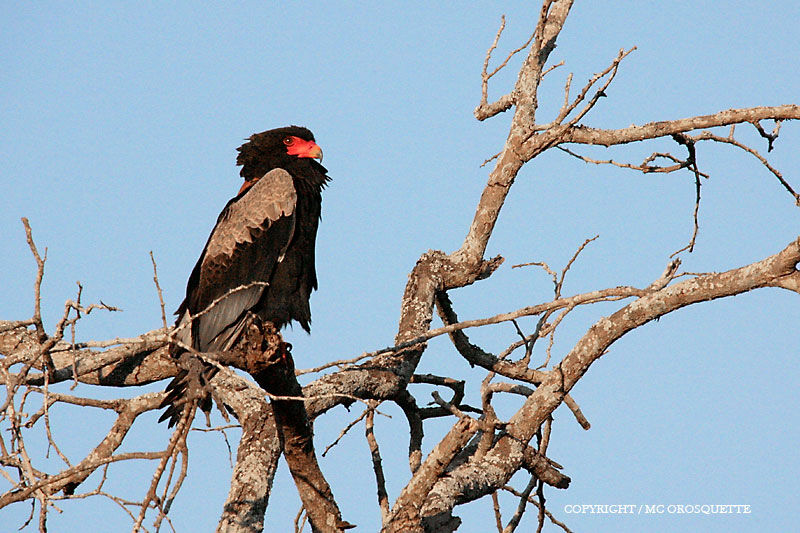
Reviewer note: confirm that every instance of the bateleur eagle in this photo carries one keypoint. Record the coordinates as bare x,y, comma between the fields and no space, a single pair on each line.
259,257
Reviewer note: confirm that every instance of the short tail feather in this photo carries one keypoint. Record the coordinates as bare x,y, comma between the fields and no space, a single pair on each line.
192,384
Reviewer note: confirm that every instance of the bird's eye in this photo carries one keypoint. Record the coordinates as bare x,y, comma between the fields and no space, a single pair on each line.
288,141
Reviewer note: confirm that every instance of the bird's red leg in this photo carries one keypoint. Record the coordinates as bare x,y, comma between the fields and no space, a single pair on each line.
285,349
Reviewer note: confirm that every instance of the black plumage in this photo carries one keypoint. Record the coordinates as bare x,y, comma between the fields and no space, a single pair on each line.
259,257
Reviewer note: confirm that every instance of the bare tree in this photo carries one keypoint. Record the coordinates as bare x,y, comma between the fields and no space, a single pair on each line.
477,457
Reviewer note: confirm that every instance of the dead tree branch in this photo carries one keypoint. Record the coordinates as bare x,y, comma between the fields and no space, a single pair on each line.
482,450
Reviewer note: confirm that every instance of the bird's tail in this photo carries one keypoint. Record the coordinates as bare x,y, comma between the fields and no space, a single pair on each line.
191,387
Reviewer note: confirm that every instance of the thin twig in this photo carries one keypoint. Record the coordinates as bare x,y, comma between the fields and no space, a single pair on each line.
708,136
523,501
341,363
692,160
611,72
158,289
547,513
645,167
347,428
178,438
380,479
498,518
298,524
37,287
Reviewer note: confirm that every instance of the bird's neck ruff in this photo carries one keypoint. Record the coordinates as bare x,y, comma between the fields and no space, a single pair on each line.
309,180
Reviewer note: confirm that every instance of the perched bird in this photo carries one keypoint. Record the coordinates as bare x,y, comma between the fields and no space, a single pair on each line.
259,258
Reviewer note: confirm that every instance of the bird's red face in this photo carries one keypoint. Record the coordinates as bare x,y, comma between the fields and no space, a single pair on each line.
298,147
295,146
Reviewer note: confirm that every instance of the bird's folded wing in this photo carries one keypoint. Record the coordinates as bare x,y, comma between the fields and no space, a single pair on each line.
250,238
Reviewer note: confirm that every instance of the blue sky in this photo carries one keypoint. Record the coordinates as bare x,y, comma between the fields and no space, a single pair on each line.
119,128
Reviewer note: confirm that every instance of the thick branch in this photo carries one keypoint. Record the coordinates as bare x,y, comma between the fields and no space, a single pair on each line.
256,458
477,478
273,369
653,130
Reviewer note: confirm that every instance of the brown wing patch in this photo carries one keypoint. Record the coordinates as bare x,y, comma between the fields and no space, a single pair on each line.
270,198
251,235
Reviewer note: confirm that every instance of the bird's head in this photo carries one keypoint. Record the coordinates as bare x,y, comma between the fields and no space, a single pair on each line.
288,148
